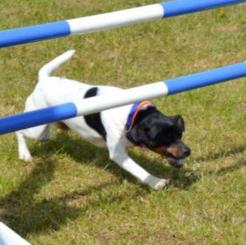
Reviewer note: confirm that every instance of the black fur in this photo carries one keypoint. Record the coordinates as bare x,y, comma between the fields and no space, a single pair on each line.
153,129
94,120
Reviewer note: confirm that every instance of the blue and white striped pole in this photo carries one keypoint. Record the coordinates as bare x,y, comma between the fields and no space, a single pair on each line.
8,236
128,96
100,22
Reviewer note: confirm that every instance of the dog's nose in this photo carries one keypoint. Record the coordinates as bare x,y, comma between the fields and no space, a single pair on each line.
187,151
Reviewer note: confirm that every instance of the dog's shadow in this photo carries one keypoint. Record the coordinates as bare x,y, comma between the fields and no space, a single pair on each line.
20,211
23,214
27,215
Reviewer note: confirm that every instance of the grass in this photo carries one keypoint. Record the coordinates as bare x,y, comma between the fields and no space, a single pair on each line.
71,193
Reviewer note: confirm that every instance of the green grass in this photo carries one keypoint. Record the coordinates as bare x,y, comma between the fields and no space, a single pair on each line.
71,193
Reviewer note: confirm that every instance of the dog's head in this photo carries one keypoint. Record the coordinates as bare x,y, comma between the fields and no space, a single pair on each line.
161,134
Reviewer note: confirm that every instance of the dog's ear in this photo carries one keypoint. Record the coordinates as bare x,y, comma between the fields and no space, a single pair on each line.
179,121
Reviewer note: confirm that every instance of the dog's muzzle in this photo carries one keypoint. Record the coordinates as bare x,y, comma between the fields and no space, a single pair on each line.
178,162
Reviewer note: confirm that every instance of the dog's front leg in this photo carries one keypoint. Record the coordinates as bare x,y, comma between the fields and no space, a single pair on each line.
119,155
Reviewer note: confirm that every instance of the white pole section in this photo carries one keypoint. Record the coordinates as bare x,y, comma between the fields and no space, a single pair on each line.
115,19
9,237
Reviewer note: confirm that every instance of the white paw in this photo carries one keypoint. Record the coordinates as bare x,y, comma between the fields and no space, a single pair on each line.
161,184
25,157
157,183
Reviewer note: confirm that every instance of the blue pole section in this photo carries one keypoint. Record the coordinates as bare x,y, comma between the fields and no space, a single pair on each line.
206,78
100,103
34,33
38,117
181,7
107,21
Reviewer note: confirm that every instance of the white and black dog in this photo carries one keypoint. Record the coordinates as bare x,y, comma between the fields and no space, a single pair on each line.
140,124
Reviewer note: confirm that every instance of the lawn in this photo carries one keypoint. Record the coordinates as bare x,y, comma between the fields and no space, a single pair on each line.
72,193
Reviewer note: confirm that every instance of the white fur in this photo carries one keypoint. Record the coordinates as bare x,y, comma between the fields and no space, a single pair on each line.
51,91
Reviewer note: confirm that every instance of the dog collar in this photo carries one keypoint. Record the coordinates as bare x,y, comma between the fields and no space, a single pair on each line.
135,109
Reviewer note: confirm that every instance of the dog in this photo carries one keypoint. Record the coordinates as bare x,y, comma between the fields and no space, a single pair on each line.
140,124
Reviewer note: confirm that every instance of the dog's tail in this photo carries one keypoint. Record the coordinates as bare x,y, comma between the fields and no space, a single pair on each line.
47,69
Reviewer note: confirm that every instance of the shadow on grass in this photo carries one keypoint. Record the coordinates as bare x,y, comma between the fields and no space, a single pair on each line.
23,213
225,170
223,153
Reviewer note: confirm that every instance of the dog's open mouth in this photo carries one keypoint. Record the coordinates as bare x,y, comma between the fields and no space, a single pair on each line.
174,161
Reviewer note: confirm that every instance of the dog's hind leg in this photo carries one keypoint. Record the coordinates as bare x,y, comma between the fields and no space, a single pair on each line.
23,151
37,133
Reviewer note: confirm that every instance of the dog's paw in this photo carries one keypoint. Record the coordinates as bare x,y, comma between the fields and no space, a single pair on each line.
161,184
157,183
25,157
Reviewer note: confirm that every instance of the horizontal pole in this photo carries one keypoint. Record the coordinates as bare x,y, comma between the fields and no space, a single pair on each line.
128,96
8,236
105,21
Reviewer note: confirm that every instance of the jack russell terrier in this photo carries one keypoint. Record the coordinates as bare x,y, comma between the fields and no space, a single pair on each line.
139,124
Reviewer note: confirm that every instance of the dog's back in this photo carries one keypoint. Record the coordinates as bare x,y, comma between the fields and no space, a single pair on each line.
57,90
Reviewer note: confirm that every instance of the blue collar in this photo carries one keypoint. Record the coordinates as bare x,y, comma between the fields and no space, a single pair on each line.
132,118
129,122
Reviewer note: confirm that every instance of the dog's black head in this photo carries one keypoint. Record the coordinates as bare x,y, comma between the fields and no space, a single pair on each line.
161,134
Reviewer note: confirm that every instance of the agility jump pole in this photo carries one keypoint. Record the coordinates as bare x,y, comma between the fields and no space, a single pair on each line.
111,20
128,96
9,237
